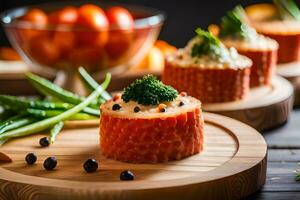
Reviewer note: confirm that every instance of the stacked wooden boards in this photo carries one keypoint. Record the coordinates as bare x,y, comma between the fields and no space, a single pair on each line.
264,108
291,71
233,165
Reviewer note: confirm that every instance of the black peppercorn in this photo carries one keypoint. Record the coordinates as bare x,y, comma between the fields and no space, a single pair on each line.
126,176
30,158
181,103
116,107
44,142
91,165
50,163
136,109
163,110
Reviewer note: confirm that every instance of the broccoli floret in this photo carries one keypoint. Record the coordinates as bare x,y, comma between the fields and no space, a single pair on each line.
149,91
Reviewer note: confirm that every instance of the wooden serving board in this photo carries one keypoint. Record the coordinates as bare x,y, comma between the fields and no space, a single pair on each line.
264,108
291,71
232,165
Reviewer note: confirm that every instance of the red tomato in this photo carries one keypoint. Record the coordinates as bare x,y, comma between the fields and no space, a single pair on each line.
8,53
65,41
35,16
120,18
85,56
121,36
43,49
95,26
68,15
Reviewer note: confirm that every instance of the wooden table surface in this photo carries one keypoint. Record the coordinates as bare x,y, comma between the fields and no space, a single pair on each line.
283,157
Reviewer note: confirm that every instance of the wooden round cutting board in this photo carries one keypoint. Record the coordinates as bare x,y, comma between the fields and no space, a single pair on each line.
291,71
232,165
264,108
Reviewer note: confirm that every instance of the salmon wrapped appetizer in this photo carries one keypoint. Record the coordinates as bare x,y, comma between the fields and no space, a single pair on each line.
279,21
207,70
260,49
151,123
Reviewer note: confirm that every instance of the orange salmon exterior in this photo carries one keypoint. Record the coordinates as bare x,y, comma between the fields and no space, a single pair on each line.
151,140
289,47
208,85
263,67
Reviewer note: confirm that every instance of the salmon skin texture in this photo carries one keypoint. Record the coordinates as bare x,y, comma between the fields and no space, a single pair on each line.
289,47
151,140
208,85
263,67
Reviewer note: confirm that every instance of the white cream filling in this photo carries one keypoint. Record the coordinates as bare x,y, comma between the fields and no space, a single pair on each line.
255,42
230,58
172,108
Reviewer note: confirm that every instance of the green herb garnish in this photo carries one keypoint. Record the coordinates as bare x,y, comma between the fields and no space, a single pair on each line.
208,45
232,24
297,178
288,9
149,91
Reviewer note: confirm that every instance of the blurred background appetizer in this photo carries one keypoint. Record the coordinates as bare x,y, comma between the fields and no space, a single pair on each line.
207,70
279,21
150,123
262,50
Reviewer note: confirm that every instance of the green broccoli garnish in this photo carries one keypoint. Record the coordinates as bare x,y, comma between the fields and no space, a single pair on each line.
149,91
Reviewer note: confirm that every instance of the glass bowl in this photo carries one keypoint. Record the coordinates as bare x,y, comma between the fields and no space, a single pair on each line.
122,50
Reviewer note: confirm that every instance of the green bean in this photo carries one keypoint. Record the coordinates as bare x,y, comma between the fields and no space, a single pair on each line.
50,89
17,124
91,84
5,114
11,120
55,130
46,123
52,113
17,104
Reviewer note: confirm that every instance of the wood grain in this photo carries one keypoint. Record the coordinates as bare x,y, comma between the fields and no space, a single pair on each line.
4,158
232,165
291,71
264,108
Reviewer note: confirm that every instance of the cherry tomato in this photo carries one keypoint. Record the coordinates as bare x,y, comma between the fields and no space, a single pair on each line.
95,26
121,36
37,17
43,49
85,56
7,53
68,15
65,41
120,18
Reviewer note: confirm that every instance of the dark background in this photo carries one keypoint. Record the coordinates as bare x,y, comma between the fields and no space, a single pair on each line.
183,15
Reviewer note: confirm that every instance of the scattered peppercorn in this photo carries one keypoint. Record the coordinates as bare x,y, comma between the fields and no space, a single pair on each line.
126,176
116,107
91,165
30,158
163,110
44,142
50,163
137,109
181,103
